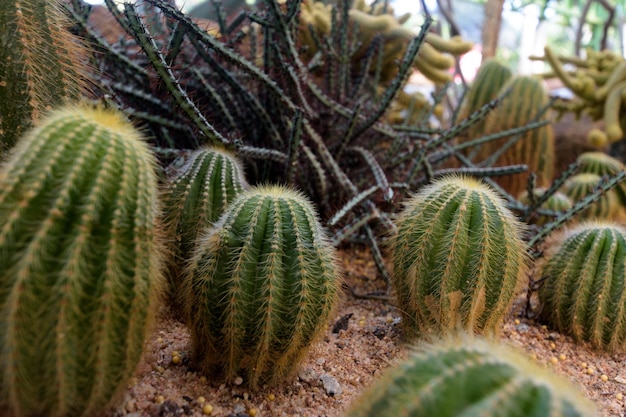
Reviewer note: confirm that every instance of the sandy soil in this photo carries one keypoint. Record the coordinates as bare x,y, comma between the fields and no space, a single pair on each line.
362,340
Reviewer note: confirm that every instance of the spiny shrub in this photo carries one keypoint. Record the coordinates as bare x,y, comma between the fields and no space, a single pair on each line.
458,258
468,377
260,287
583,293
194,198
79,263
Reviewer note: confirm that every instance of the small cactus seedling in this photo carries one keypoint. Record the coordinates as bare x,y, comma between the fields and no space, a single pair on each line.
458,258
583,293
602,164
580,185
79,263
471,377
557,202
195,198
260,287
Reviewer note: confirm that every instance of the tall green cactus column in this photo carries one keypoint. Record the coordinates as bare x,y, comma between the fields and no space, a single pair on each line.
471,377
260,287
584,290
458,260
40,64
79,263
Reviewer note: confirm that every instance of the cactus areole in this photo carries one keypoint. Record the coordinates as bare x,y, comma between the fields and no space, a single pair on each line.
458,259
79,263
260,287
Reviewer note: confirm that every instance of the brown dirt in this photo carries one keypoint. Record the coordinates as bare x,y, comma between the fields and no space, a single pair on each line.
167,385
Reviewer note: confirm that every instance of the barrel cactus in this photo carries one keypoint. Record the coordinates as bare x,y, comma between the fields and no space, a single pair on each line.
602,164
194,198
584,294
459,259
557,202
466,377
260,287
525,100
41,64
79,263
580,185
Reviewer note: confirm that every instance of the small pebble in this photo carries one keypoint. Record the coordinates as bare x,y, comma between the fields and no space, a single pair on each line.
554,361
562,357
207,409
271,397
201,400
604,377
619,396
331,386
253,412
159,399
238,380
590,371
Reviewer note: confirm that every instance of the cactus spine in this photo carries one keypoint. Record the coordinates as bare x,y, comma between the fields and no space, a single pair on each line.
79,263
535,148
458,258
195,198
584,293
470,378
260,287
40,64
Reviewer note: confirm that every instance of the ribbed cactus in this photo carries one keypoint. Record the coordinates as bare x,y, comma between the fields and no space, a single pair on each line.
260,287
40,64
584,294
602,164
79,263
194,199
458,258
557,202
471,377
580,185
526,98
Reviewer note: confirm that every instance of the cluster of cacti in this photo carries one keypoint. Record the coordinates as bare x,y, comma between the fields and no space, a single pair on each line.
79,263
581,185
470,377
194,198
434,61
599,82
458,259
260,287
557,203
583,292
525,100
40,64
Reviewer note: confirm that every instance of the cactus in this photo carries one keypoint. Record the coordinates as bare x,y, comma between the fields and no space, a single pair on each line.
527,97
580,185
583,294
470,378
458,258
557,202
195,198
260,287
79,263
602,164
40,64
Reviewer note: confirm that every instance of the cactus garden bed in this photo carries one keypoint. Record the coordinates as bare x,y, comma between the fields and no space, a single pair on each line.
361,341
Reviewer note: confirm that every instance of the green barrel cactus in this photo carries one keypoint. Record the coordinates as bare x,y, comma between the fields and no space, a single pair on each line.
194,198
557,202
602,164
260,287
79,263
41,64
580,185
583,293
458,260
535,148
471,377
